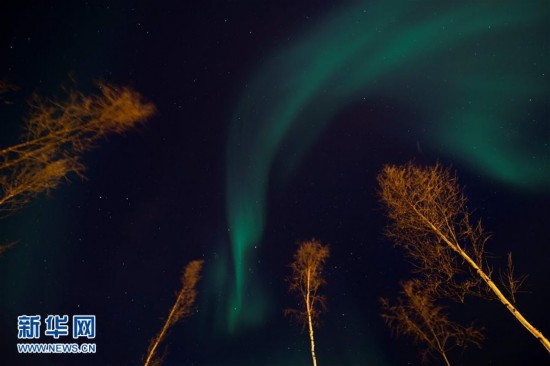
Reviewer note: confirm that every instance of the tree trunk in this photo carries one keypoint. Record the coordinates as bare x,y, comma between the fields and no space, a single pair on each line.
310,320
534,331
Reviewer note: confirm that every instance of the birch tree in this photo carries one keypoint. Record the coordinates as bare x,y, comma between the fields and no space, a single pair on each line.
430,219
306,279
182,308
57,132
416,314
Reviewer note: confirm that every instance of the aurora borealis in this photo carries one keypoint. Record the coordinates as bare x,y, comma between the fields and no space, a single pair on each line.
480,74
273,120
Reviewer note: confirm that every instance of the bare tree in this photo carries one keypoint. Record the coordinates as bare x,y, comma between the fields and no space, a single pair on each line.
431,221
416,314
306,280
57,132
182,308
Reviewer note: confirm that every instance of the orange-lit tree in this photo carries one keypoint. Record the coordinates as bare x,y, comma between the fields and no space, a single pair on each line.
182,308
417,315
56,134
306,280
430,220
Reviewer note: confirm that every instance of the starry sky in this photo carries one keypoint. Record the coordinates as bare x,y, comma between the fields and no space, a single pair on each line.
273,121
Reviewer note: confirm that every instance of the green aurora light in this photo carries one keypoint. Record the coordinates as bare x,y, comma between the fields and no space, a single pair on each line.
483,80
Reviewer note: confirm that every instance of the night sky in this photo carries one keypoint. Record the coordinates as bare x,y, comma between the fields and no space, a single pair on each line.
273,120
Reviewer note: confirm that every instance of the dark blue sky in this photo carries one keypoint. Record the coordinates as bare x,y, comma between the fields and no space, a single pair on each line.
114,244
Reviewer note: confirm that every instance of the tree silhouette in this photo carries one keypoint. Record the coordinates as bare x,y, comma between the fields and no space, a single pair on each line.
182,308
430,220
306,279
416,314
